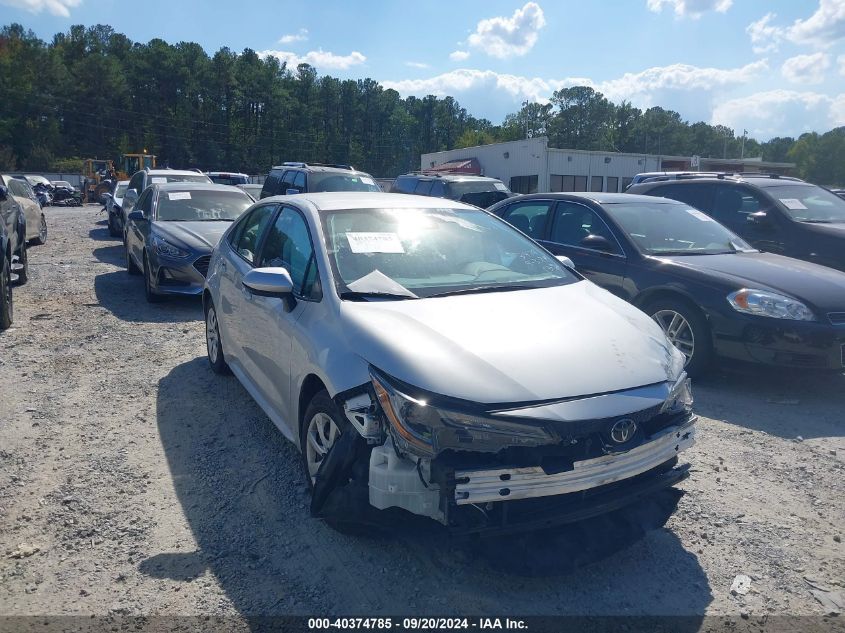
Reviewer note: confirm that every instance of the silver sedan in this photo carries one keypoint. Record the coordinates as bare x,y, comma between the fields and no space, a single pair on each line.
425,355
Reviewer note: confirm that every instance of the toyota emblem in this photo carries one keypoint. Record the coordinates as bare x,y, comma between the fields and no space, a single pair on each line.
623,430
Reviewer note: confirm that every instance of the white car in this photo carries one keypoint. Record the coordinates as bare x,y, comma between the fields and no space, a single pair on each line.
425,355
36,223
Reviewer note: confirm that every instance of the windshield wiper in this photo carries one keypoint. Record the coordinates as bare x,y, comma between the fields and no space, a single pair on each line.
361,295
480,289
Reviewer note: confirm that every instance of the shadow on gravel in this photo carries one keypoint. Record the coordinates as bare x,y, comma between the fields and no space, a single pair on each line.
242,491
102,234
110,255
123,295
782,402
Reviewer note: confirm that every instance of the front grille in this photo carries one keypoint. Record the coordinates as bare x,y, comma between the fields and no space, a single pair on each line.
202,265
837,318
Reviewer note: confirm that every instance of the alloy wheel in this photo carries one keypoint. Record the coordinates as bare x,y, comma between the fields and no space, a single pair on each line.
321,435
212,339
678,331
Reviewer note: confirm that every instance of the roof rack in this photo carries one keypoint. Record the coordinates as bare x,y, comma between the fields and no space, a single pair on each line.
301,164
721,175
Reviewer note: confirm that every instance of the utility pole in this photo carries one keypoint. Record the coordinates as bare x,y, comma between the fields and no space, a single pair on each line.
742,152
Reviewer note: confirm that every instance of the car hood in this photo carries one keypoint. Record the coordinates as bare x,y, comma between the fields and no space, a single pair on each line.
820,286
834,230
200,236
513,347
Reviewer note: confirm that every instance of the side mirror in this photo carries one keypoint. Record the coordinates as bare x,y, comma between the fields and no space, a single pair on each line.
137,216
563,259
291,192
268,282
4,194
597,243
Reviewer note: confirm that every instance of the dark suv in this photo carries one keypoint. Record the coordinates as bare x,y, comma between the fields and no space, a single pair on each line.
289,178
773,213
476,190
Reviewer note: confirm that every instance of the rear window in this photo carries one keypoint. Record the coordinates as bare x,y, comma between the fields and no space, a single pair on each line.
165,178
342,182
456,190
404,185
201,205
229,179
272,183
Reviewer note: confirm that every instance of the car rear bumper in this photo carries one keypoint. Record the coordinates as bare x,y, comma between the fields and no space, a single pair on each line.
782,343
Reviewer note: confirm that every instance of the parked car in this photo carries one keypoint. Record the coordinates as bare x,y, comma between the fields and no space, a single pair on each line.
773,213
65,194
171,232
647,176
839,192
228,178
113,203
21,192
36,223
292,178
251,189
6,302
377,331
710,291
142,179
476,190
14,221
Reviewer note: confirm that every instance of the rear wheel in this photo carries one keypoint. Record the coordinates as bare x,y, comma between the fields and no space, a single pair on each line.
213,342
687,329
6,304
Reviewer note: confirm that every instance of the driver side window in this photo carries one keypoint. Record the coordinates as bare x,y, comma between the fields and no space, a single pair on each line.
288,245
574,222
145,203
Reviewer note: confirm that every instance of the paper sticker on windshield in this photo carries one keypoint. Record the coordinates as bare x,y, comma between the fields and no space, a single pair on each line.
367,181
793,203
499,186
158,180
179,195
698,214
374,243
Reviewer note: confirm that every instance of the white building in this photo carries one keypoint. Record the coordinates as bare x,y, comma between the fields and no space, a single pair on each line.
530,165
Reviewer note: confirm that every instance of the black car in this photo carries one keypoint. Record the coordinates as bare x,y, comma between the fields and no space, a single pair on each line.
291,178
480,191
712,293
5,279
773,213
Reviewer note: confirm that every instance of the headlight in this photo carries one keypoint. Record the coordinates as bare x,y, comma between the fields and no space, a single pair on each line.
679,399
167,249
769,304
424,429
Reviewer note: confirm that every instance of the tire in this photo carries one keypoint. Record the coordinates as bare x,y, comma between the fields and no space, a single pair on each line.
23,259
692,336
321,405
6,304
42,233
114,230
214,343
149,293
131,268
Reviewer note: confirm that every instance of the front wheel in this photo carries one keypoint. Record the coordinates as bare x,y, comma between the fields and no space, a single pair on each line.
131,266
22,264
114,229
149,292
321,427
213,342
687,329
6,304
41,238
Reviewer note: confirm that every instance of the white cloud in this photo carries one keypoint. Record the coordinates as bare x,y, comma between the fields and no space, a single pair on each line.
823,28
690,8
458,56
840,61
319,59
290,38
465,79
781,113
56,7
416,65
806,69
508,37
764,37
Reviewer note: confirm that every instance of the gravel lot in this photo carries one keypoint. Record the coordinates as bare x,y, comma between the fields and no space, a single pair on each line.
135,481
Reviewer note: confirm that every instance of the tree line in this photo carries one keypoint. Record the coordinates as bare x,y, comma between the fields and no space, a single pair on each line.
93,93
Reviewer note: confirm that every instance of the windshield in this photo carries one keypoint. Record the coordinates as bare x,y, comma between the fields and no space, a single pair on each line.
809,203
200,205
62,183
342,182
461,188
429,252
161,180
34,180
669,228
229,179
